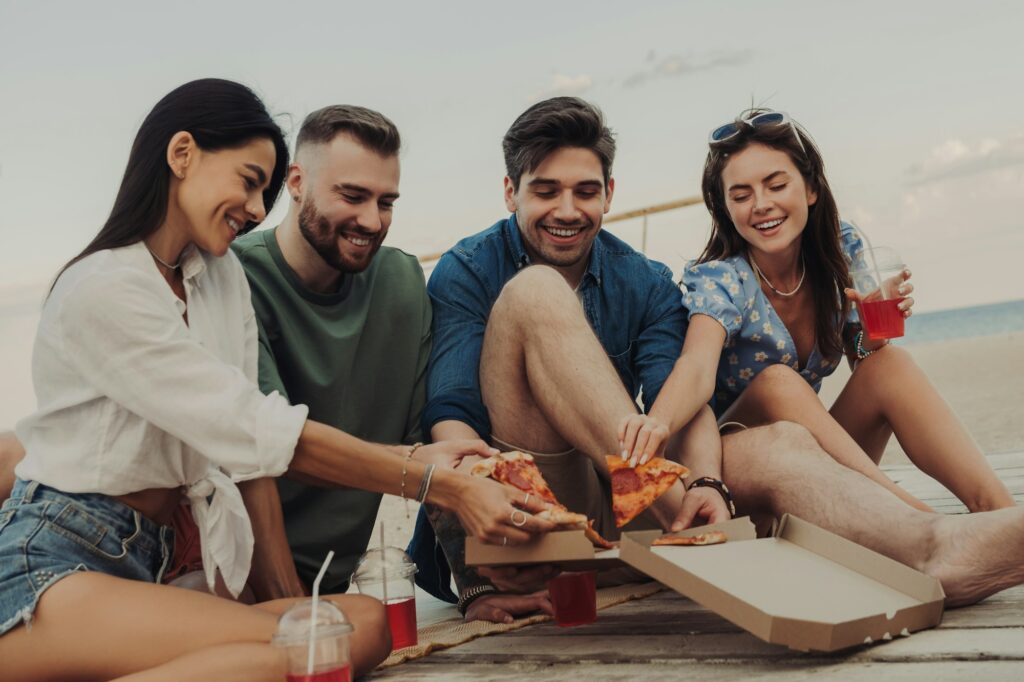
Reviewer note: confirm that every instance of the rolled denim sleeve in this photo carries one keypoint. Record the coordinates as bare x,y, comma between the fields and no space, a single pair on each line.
661,340
461,304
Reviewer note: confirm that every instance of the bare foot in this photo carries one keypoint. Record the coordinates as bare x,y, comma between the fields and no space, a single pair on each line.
977,555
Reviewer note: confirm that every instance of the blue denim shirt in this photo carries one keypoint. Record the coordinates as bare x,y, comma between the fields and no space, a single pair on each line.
630,301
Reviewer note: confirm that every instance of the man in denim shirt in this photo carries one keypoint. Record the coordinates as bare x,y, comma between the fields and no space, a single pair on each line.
546,330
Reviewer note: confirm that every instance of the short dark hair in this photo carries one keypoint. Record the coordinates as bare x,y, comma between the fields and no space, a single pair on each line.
550,125
372,129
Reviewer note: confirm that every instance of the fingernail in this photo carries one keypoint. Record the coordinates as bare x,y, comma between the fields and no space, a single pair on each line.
643,460
495,451
625,455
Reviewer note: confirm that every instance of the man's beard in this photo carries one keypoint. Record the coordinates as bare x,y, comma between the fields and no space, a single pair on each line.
323,237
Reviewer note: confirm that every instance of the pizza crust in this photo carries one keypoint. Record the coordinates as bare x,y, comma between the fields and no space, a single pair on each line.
714,537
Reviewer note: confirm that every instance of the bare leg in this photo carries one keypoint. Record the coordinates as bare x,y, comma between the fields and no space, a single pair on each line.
11,453
94,626
546,380
221,663
889,393
780,394
781,468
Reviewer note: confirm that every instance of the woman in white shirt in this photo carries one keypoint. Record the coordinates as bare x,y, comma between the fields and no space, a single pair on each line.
145,372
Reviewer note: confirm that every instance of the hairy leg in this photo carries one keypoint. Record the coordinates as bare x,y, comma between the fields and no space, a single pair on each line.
890,394
780,394
11,453
546,380
781,468
93,626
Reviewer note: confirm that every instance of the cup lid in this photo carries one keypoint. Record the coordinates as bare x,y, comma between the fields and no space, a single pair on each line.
374,564
293,627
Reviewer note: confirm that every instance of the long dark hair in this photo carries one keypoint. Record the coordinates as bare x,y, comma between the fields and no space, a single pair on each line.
821,248
220,114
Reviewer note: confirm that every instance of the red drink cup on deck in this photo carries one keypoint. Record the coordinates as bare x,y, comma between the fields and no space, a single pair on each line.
877,274
574,597
389,578
330,660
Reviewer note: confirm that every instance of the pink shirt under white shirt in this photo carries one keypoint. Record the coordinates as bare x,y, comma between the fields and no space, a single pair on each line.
130,397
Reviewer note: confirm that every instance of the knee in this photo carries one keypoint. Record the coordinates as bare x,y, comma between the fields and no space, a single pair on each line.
787,444
372,643
780,379
536,290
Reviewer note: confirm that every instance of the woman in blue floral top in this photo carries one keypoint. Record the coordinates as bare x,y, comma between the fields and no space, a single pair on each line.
766,300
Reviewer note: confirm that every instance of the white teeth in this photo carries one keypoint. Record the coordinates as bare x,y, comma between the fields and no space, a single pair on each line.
233,225
769,225
561,232
358,241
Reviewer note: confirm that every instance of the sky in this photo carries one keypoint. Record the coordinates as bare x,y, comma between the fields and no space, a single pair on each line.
916,107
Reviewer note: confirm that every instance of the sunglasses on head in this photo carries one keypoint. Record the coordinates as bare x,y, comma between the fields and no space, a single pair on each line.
765,119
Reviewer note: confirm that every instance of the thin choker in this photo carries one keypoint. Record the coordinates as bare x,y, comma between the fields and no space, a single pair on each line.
177,265
799,284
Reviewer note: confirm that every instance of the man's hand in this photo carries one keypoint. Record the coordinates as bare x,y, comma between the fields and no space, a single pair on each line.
700,507
449,453
520,580
642,437
503,608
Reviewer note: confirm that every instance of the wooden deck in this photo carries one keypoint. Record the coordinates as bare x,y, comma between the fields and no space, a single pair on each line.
667,636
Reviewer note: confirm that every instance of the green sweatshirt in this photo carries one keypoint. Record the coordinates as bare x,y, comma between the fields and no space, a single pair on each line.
358,359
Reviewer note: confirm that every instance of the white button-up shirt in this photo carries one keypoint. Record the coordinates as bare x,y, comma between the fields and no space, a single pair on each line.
131,398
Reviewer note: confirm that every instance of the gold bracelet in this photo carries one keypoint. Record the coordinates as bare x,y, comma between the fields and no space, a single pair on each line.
405,469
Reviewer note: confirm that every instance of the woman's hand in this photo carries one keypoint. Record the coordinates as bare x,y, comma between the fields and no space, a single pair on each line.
895,287
449,453
642,437
499,514
503,608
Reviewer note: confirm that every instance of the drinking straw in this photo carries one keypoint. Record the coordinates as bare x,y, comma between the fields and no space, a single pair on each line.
383,565
312,618
874,262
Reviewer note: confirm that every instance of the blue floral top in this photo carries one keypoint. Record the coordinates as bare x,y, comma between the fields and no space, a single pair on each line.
728,290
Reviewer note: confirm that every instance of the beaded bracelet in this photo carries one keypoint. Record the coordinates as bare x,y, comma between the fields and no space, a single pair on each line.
859,349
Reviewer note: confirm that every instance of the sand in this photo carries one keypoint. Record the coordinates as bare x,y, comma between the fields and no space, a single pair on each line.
982,378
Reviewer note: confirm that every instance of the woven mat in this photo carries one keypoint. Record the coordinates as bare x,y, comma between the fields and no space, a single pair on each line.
456,631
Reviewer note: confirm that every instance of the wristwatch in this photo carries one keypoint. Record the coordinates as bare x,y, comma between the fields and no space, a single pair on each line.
723,490
471,594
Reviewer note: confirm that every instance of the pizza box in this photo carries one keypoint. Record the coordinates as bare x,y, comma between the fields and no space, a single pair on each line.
571,550
805,588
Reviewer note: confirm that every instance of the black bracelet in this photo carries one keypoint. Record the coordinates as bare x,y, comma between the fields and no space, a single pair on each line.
723,490
471,594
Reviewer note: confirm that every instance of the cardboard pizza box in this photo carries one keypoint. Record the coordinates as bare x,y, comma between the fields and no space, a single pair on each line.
571,550
805,588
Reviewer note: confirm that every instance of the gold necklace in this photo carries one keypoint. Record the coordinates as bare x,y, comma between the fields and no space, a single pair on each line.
803,267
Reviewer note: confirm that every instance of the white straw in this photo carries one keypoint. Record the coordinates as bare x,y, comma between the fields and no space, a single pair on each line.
383,565
312,618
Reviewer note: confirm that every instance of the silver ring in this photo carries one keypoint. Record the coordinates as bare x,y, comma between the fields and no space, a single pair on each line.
522,521
527,500
504,541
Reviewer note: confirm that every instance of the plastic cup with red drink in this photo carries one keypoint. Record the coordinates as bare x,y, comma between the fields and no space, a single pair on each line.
328,659
877,275
389,577
574,598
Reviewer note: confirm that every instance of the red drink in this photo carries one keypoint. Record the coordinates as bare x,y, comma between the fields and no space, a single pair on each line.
882,319
342,674
402,621
574,597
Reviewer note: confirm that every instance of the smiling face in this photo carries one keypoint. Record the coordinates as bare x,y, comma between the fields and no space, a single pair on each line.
559,206
767,198
220,191
348,194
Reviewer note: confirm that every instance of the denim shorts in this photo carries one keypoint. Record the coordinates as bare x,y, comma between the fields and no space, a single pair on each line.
46,534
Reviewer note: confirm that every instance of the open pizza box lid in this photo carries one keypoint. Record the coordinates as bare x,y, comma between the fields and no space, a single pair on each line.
805,588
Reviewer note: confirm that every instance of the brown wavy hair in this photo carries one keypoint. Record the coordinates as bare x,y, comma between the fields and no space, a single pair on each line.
821,248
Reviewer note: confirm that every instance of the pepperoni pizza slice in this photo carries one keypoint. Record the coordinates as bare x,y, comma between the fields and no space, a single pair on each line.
520,471
634,489
713,537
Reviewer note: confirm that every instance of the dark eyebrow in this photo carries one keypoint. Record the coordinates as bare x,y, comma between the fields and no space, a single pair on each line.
359,189
261,174
768,178
551,181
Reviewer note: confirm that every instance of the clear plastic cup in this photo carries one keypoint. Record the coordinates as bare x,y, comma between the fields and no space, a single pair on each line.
879,311
331,658
574,598
400,600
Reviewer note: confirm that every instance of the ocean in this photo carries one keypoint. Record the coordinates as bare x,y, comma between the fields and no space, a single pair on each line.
961,323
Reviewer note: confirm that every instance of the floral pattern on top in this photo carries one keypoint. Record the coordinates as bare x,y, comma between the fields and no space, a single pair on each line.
728,291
